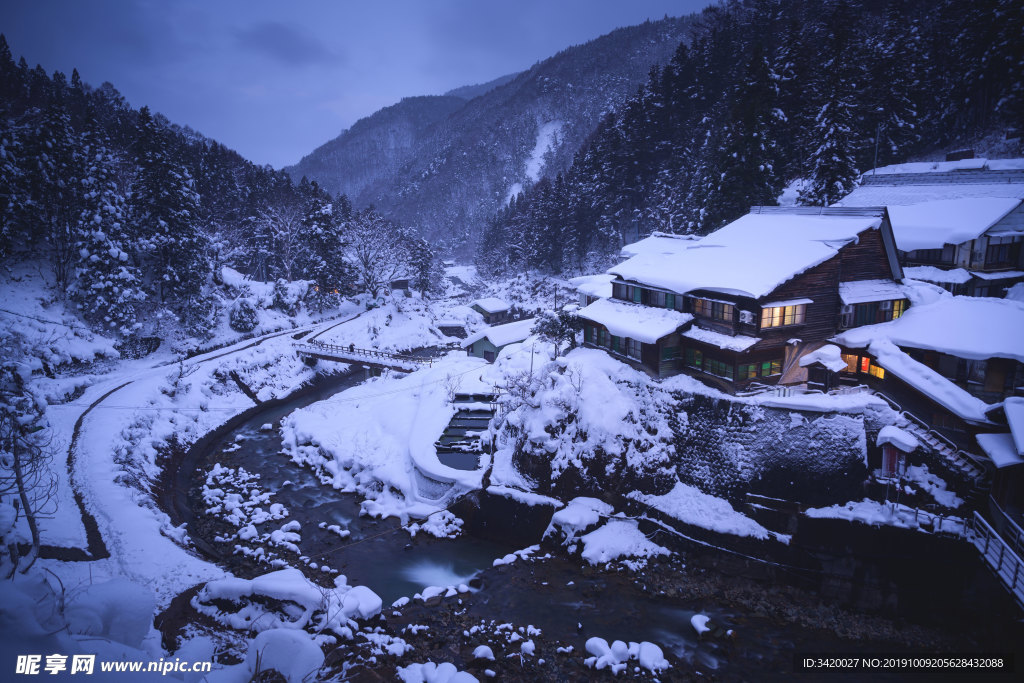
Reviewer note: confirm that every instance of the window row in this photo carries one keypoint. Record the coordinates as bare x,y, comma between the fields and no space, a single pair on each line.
694,358
855,315
647,297
780,316
767,368
718,310
599,336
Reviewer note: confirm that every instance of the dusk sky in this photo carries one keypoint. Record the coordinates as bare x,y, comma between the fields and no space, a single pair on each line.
274,80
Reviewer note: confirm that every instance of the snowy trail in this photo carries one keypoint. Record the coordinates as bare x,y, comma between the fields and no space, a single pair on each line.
108,519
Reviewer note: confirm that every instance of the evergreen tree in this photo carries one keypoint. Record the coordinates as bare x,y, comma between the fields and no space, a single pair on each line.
833,166
426,267
53,176
108,283
165,211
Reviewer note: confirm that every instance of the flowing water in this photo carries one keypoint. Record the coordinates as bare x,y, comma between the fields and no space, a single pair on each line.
376,552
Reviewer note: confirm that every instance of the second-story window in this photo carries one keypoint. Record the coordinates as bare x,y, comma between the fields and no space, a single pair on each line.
717,310
780,316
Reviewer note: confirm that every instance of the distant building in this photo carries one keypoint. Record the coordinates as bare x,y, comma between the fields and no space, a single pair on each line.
745,303
493,309
958,224
489,342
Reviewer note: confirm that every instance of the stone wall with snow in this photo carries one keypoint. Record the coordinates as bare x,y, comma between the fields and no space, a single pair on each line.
587,425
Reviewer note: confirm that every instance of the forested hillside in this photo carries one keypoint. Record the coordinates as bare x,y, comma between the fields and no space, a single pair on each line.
447,173
768,92
135,216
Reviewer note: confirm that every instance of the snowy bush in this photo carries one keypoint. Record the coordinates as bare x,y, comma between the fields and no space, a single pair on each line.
243,316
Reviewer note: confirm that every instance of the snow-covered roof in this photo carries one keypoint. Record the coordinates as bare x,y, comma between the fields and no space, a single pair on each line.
899,438
502,335
828,355
1001,449
1014,409
897,195
929,382
948,166
998,275
863,291
599,285
658,243
736,342
964,326
931,224
492,304
751,256
646,324
956,276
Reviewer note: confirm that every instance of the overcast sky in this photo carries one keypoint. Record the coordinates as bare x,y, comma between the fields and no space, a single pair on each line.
275,79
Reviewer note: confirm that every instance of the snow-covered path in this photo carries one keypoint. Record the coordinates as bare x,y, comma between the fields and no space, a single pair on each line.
122,518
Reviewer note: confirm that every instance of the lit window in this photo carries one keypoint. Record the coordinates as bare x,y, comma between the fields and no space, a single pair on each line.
718,310
876,371
898,308
780,316
851,362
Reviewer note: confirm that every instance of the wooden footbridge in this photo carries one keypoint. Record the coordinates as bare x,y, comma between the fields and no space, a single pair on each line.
374,358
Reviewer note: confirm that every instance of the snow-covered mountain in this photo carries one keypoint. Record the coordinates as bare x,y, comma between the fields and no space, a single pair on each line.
445,164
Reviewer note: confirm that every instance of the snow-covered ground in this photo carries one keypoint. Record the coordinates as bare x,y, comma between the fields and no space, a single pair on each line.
376,439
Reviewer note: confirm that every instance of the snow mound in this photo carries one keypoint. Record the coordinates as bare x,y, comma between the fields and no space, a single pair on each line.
428,672
617,656
618,538
305,605
291,653
690,505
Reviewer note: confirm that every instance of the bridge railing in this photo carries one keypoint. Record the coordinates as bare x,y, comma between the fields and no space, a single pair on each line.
350,350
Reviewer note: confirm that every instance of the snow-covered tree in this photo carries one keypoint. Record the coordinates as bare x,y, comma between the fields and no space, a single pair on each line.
833,165
53,168
27,484
166,214
108,285
425,266
377,250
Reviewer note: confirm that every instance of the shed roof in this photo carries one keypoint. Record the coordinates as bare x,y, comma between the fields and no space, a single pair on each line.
644,323
502,335
492,304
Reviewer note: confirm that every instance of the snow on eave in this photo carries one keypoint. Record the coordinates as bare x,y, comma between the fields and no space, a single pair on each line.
1014,409
1000,448
933,224
974,328
828,355
645,324
865,291
599,285
502,335
956,276
923,167
897,437
728,342
930,383
491,304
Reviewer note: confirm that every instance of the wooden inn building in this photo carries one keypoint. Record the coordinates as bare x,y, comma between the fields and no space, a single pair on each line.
745,303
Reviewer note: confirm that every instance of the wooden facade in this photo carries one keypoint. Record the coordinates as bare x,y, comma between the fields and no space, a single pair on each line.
812,317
